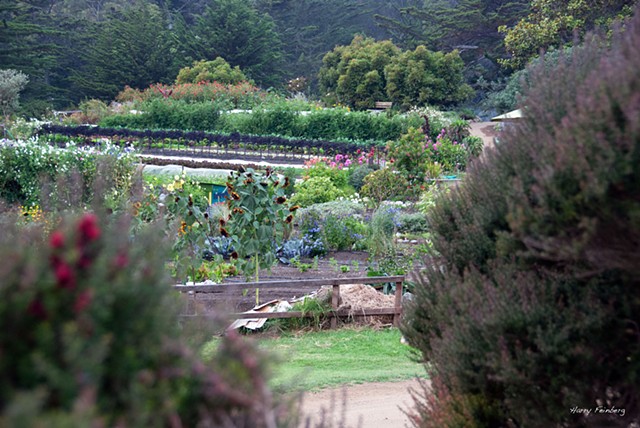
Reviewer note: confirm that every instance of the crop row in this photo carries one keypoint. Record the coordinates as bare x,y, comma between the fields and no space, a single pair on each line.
202,144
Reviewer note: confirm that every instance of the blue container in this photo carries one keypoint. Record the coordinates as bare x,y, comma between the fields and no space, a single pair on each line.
216,192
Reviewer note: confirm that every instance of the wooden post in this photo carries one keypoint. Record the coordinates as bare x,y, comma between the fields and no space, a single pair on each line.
398,304
335,299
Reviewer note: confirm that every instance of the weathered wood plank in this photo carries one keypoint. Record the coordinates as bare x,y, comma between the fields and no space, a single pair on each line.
398,304
290,284
335,302
299,314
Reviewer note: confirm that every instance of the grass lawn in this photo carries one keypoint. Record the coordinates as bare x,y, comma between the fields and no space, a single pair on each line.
316,360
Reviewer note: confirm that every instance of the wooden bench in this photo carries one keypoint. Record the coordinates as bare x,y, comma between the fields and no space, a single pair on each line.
334,314
383,105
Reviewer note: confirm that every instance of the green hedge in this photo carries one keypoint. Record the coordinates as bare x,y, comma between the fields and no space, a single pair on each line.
317,124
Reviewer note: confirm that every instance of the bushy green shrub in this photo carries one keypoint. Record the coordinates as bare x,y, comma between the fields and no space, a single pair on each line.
339,224
357,175
532,305
451,155
412,222
341,208
315,190
94,338
343,233
384,185
217,70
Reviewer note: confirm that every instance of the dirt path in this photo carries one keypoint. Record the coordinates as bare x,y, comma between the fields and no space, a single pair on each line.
369,405
484,130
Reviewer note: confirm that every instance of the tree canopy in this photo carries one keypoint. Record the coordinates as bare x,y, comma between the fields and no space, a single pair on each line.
367,71
78,49
554,23
217,70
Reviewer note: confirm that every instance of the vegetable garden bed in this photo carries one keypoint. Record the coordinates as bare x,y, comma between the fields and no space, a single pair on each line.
201,144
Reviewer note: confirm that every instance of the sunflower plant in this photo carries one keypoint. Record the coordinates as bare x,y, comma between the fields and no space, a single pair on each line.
259,218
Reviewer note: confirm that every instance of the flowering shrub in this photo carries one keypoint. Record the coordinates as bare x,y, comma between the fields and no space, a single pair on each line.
242,95
25,164
451,155
409,155
94,338
335,169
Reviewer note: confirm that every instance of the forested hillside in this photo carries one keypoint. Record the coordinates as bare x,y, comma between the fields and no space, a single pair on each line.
74,50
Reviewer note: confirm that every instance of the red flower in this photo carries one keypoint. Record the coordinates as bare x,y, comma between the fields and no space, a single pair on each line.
64,276
281,200
88,227
57,240
83,299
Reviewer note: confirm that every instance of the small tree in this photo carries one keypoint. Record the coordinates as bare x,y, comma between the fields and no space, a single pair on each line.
11,83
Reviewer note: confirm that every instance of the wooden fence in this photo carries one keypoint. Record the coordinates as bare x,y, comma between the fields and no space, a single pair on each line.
335,283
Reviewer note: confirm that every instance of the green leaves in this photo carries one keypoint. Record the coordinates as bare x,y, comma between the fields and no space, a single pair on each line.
256,224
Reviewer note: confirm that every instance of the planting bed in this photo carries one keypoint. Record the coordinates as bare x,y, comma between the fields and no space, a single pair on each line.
355,260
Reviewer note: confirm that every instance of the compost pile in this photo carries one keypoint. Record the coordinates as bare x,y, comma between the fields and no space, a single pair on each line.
357,297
